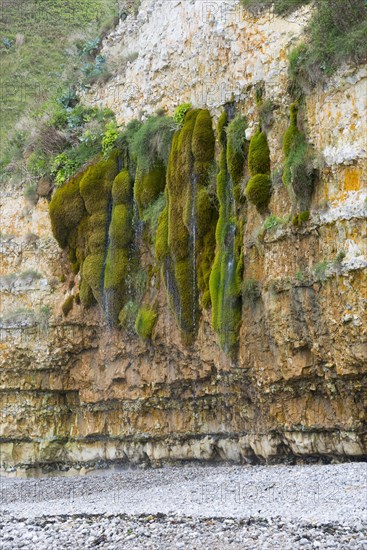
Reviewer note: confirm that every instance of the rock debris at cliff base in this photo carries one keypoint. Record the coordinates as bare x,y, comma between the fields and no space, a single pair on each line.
224,507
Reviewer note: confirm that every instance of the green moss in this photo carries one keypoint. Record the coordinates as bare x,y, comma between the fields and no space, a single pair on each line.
75,267
203,139
187,312
258,190
292,136
67,306
86,294
301,218
259,154
222,122
122,188
93,268
66,210
117,265
96,185
226,273
187,219
145,322
236,148
149,185
205,261
121,231
127,315
97,233
299,172
161,241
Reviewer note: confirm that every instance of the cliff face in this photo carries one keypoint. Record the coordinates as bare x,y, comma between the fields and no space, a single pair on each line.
75,392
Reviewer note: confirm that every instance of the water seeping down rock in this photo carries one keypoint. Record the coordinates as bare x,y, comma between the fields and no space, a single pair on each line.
215,328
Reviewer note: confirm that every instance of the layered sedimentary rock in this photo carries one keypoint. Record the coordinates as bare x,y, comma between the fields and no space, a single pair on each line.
76,392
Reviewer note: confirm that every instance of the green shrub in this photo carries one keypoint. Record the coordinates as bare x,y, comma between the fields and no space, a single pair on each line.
145,322
272,222
338,34
258,190
180,113
151,142
67,306
109,137
281,7
259,154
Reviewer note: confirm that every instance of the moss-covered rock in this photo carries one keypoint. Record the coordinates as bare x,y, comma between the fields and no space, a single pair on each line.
117,266
258,190
226,273
66,210
203,139
237,148
149,185
121,231
259,154
86,295
161,241
299,171
122,188
93,268
186,226
293,135
145,322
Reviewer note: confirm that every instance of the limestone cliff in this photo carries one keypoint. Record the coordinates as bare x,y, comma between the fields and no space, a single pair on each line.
76,392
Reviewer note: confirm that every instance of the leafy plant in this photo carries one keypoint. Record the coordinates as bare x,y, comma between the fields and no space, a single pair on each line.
109,137
180,113
272,222
152,141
